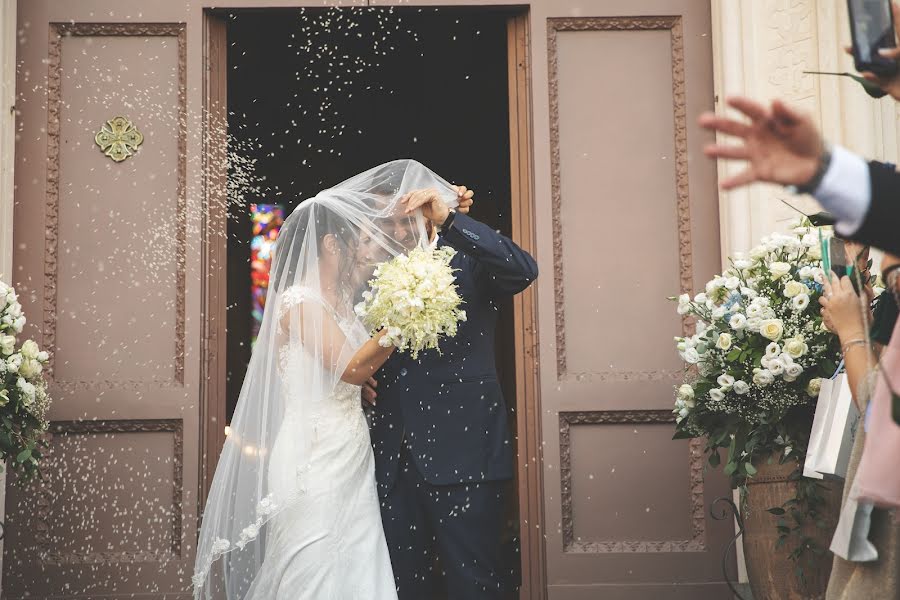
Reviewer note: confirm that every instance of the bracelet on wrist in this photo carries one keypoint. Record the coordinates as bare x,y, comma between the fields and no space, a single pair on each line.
855,342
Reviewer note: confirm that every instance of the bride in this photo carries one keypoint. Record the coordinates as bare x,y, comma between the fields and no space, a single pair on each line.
293,511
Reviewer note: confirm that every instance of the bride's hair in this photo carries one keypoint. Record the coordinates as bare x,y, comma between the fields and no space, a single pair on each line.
312,222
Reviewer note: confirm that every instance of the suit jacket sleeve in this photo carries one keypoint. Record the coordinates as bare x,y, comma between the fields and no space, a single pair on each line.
881,227
501,264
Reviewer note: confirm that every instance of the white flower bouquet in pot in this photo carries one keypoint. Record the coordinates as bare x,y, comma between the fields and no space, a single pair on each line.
23,391
755,365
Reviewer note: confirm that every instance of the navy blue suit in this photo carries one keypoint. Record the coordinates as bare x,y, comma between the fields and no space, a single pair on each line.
439,431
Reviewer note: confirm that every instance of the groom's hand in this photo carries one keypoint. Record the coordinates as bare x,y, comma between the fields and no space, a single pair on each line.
465,196
433,207
368,391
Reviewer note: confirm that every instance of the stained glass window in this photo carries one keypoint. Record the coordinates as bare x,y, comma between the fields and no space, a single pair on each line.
267,220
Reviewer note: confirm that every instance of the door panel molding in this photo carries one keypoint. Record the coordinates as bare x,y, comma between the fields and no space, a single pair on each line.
58,32
697,542
673,24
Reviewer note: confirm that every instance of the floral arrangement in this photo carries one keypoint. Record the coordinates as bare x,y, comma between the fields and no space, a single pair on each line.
756,362
23,391
413,298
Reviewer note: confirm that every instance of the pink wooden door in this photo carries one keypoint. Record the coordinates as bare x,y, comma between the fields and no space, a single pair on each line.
626,215
107,260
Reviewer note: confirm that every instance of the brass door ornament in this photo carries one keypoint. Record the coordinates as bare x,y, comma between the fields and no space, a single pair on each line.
119,138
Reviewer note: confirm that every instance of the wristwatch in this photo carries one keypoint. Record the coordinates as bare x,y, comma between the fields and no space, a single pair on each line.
813,184
448,221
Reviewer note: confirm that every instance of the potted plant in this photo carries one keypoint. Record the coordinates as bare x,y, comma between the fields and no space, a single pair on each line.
753,371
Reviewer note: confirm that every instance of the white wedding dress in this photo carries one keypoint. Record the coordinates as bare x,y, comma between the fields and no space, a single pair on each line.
293,511
328,544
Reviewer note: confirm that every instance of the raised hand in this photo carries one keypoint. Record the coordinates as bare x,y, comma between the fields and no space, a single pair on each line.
465,199
780,144
433,207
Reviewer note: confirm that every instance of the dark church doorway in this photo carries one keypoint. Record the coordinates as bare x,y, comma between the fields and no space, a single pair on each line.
317,95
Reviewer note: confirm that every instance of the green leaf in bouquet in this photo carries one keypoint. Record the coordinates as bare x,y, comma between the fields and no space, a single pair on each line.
750,469
734,355
730,468
714,459
24,455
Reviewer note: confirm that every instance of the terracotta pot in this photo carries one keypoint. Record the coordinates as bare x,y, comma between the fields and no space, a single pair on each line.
770,571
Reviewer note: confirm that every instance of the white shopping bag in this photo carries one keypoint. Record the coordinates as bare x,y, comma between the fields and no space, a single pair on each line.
851,537
836,442
823,406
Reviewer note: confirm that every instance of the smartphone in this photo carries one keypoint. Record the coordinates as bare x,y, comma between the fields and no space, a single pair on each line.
872,28
835,258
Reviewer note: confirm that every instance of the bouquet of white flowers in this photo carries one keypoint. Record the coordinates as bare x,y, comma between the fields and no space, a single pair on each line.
413,297
760,348
23,390
756,362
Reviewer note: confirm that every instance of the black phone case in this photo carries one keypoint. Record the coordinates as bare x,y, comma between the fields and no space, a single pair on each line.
884,68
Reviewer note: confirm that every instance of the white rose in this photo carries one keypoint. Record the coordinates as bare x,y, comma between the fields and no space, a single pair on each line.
795,347
13,363
7,344
741,387
30,349
719,312
732,283
794,288
805,272
773,350
749,293
43,356
684,304
724,341
716,394
771,329
30,368
813,387
759,252
753,323
774,366
691,356
800,302
815,252
738,321
810,240
14,310
755,311
777,270
742,264
725,381
700,298
792,372
685,393
19,324
763,377
714,286
27,390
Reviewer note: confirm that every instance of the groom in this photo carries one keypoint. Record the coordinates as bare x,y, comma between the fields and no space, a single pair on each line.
439,428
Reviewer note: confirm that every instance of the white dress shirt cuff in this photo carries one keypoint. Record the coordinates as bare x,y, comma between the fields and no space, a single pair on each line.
846,190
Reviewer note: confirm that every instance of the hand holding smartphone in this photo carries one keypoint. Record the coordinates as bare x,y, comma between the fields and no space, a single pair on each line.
872,29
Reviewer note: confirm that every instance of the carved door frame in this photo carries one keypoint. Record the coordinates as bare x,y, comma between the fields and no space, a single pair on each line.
213,374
